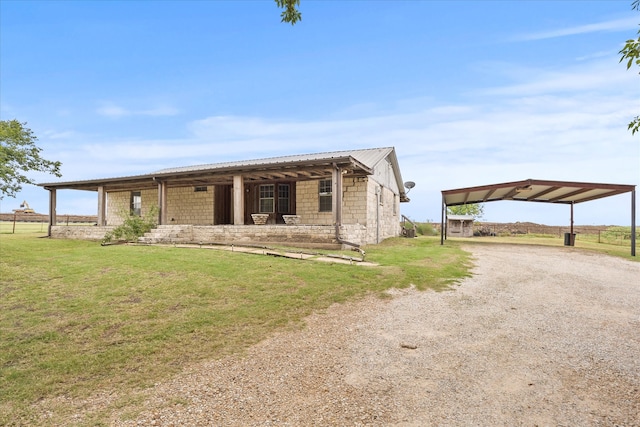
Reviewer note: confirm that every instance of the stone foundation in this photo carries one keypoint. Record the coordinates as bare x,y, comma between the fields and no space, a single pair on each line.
80,232
304,236
307,236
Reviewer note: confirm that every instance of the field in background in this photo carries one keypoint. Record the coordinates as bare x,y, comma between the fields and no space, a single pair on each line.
9,227
614,240
586,242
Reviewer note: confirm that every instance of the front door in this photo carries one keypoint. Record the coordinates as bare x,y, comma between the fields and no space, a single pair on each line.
223,204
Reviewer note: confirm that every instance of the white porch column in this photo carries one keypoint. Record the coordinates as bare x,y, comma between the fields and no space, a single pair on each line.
162,203
238,200
52,209
336,200
102,206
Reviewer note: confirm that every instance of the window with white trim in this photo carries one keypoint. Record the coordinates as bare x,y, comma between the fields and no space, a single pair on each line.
283,198
325,195
136,203
267,198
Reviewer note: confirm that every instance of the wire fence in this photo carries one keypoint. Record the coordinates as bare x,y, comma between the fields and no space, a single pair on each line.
18,227
610,237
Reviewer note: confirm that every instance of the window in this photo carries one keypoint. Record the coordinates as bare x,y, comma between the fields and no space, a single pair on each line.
283,198
266,198
136,203
324,195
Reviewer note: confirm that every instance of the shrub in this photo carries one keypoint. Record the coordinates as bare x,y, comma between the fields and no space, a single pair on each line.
133,226
426,229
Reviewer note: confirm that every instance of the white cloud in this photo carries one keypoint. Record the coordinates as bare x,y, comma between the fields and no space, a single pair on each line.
116,111
605,26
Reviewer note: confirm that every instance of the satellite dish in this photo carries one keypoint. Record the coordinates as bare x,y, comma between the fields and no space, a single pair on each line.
409,185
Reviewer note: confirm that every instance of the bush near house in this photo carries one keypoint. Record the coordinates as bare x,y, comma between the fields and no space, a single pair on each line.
133,226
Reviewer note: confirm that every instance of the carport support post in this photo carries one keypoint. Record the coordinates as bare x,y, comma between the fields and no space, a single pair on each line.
444,207
571,238
633,222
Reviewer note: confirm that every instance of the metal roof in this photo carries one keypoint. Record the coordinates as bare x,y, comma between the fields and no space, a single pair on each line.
461,217
534,190
294,167
369,157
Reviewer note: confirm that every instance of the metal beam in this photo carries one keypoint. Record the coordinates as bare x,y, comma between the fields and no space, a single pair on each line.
444,207
569,195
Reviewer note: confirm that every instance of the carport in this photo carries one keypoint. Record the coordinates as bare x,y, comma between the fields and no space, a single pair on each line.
534,190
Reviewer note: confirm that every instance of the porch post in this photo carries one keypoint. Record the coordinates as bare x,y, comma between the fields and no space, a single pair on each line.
162,202
238,200
102,199
52,209
336,201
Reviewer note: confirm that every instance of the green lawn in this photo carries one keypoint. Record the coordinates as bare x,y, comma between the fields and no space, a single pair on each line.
77,318
588,242
7,227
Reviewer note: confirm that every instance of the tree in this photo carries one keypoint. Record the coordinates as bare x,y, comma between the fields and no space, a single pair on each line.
290,14
19,155
474,209
631,53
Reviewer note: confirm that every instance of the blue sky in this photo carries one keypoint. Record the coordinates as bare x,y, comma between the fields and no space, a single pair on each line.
468,92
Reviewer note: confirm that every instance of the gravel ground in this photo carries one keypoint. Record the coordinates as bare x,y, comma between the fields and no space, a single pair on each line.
538,336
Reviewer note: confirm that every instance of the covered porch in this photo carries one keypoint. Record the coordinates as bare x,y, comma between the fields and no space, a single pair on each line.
347,197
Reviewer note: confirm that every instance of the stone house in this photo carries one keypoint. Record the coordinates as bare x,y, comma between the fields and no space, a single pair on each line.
333,199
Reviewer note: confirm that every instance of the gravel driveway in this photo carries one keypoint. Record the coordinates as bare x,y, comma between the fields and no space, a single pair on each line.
538,336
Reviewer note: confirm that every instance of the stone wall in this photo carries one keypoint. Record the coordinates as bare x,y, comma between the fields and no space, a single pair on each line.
80,232
383,213
319,236
119,203
354,200
187,206
308,204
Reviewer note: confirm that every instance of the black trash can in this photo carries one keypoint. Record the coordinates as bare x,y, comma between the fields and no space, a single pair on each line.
569,239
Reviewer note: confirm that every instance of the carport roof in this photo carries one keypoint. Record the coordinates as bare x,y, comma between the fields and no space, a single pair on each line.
534,190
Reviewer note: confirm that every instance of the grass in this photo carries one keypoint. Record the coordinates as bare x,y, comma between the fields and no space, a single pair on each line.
78,319
588,242
6,227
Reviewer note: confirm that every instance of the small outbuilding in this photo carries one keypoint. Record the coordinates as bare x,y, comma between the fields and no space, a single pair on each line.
460,225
